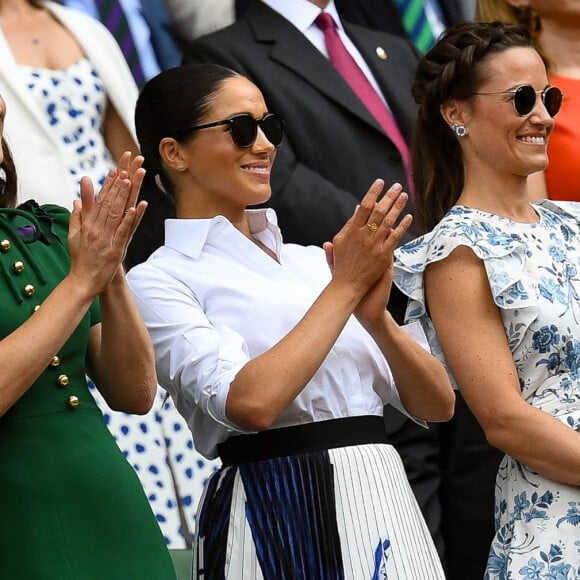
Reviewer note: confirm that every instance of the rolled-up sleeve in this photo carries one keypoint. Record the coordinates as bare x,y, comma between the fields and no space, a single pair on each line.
196,362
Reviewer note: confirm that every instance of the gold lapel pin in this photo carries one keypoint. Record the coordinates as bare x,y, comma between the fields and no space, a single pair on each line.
381,53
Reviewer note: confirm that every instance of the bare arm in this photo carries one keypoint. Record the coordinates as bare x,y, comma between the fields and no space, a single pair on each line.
117,137
421,380
257,396
98,234
120,357
471,332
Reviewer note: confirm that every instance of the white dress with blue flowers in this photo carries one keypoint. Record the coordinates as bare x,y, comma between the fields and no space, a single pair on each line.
534,275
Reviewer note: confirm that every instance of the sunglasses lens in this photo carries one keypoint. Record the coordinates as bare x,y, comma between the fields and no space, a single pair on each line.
244,130
552,100
524,99
273,128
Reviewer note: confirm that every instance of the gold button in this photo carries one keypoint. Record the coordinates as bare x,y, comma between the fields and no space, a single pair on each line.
18,266
73,402
62,380
381,53
5,245
35,309
29,290
55,361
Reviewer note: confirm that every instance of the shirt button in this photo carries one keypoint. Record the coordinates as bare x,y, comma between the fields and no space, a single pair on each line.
18,266
29,290
5,245
62,381
55,361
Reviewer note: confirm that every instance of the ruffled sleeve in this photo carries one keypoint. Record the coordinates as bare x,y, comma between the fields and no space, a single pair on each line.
503,252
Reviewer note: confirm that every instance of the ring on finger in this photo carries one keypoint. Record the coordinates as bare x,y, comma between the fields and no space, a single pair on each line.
373,227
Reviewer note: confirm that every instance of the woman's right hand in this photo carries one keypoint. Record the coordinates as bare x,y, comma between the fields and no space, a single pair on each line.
101,228
362,251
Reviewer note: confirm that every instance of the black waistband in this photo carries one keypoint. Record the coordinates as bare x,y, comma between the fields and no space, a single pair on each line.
306,438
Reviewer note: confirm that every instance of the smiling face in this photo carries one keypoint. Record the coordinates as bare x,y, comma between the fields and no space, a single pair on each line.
220,176
500,141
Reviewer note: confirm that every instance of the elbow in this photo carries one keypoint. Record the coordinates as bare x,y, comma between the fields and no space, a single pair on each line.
250,415
140,403
442,411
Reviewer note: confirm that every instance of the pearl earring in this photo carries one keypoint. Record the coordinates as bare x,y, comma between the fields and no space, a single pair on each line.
459,130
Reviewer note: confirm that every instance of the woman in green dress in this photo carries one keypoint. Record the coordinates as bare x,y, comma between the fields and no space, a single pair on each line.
71,505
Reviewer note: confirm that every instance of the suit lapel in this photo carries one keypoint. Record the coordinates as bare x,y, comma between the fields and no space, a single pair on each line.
304,60
388,72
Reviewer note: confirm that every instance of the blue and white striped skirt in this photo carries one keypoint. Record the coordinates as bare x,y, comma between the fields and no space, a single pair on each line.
343,513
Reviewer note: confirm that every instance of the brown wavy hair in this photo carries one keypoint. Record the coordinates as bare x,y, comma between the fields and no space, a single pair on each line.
8,185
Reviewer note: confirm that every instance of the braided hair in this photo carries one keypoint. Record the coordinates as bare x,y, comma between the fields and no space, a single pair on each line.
452,69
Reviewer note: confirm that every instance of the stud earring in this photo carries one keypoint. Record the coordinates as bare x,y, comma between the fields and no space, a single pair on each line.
181,168
459,130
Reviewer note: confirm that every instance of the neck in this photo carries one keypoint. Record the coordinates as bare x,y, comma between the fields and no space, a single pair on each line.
560,44
506,197
322,4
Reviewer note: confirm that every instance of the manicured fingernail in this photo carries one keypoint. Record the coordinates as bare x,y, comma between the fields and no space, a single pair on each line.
397,187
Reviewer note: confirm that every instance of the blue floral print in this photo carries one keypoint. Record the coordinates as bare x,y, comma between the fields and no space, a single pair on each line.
533,273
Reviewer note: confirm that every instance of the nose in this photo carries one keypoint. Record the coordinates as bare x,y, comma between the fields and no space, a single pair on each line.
262,143
540,114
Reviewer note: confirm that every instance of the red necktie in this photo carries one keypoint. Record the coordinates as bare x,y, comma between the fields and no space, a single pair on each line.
354,76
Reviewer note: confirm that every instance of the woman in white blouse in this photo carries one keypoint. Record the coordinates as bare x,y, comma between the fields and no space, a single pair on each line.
276,354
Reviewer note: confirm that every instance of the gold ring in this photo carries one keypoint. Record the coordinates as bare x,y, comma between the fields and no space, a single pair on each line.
373,227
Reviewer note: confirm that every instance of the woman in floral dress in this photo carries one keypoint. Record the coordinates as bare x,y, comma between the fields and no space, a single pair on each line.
496,283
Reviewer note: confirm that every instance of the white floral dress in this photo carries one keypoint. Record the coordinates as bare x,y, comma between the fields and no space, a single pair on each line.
534,275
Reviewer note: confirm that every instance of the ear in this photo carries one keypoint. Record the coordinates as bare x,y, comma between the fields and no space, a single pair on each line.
454,112
171,154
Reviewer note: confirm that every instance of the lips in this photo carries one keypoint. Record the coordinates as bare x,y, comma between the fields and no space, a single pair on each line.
258,167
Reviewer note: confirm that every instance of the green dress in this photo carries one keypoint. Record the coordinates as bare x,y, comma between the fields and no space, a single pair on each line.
72,507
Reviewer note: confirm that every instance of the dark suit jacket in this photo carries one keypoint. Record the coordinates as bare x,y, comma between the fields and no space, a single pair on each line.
384,14
334,147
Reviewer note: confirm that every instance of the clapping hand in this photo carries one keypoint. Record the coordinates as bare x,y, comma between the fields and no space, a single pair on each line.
101,227
369,239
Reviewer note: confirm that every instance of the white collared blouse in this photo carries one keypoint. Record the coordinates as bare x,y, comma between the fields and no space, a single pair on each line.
212,300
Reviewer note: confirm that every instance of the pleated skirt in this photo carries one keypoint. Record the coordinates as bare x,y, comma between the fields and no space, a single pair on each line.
344,513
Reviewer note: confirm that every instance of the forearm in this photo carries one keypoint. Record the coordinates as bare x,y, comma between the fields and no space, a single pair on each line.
538,440
270,382
31,347
421,380
124,363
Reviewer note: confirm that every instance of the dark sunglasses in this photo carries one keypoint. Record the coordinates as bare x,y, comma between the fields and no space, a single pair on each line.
524,99
244,128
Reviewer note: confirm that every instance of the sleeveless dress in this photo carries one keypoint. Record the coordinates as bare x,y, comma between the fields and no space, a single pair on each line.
72,507
534,275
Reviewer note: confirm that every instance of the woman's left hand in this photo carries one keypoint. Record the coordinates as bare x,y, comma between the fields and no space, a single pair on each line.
373,305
